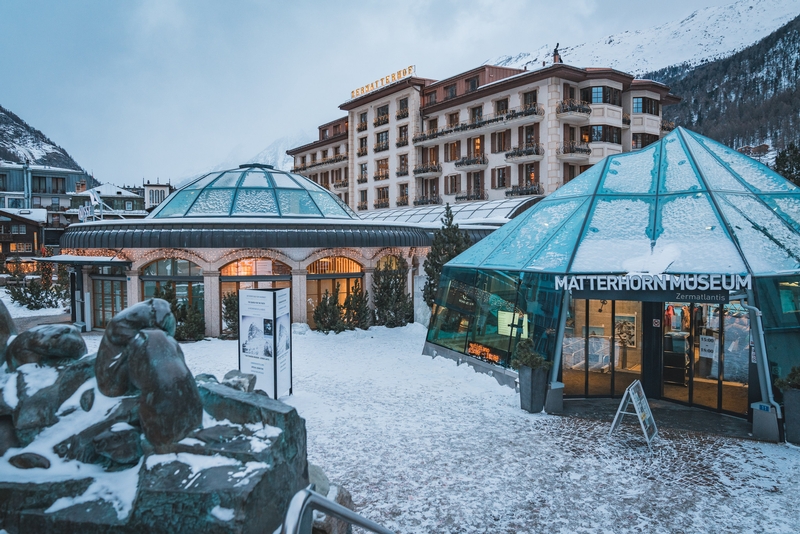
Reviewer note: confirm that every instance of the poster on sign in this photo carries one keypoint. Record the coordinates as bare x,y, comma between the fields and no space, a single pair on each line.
265,339
634,394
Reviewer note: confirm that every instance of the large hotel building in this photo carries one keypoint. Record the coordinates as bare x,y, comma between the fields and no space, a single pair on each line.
485,134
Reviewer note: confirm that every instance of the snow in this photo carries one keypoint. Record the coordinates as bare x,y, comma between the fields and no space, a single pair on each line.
38,215
705,35
21,311
223,514
37,378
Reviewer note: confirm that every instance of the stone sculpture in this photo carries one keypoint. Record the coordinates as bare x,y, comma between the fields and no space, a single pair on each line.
45,345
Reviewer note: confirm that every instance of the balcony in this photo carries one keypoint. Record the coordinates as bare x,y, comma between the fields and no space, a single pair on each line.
525,153
381,175
573,151
428,169
362,179
57,209
380,120
402,201
427,200
362,151
381,203
402,171
341,184
362,205
534,112
626,120
573,111
487,123
331,160
667,126
362,126
476,162
401,113
6,237
530,188
466,196
381,146
401,141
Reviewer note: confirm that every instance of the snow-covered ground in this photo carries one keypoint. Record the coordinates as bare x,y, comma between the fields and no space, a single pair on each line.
427,446
21,311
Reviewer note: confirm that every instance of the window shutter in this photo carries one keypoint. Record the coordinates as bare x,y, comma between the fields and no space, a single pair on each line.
520,174
483,146
494,178
458,150
536,133
507,141
447,186
536,172
494,143
521,136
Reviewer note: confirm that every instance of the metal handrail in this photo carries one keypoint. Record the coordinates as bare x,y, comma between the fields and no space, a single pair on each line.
299,516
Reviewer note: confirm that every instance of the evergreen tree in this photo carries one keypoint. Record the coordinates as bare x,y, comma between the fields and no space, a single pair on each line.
448,242
328,313
393,305
230,315
356,308
787,163
193,326
46,269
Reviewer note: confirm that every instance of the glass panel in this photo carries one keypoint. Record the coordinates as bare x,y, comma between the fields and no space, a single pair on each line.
179,204
736,358
476,254
198,295
716,176
678,173
676,359
573,349
256,179
202,182
305,183
229,179
296,203
283,180
779,300
635,172
495,318
150,269
555,256
149,289
455,306
255,202
182,268
705,384
327,205
213,202
600,331
182,293
164,267
195,270
627,344
787,206
584,184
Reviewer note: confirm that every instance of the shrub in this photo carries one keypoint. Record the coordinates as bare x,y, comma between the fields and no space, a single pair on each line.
328,313
393,305
525,356
792,380
356,308
193,326
230,315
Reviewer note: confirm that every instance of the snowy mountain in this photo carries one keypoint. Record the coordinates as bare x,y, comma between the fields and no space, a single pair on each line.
275,153
705,35
20,142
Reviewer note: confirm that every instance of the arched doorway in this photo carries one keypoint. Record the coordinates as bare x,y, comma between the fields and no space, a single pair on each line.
323,275
252,273
187,278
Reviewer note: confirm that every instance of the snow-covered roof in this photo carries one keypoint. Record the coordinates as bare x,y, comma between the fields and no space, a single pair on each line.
489,213
38,215
685,204
108,190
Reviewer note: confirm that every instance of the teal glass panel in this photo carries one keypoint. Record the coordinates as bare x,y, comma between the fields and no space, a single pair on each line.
494,318
555,255
305,183
213,202
787,206
179,204
454,309
283,180
677,173
525,240
202,182
716,176
296,203
583,184
617,237
255,202
229,179
692,238
327,205
634,172
758,175
540,304
768,243
256,178
779,301
477,253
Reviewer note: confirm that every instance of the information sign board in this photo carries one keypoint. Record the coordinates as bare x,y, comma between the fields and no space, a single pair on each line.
635,394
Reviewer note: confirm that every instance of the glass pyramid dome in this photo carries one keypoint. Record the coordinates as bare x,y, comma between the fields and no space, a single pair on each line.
683,205
251,191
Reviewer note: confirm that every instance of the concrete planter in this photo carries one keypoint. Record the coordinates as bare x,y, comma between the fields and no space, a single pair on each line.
791,416
532,389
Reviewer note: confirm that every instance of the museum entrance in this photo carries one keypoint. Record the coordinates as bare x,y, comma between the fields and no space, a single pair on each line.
706,355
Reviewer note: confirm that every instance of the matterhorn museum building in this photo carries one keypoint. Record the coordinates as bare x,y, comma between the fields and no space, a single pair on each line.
677,265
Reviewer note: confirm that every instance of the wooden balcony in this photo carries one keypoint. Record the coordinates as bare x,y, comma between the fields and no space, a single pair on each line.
573,111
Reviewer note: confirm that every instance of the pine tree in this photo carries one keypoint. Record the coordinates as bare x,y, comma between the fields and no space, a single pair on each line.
787,163
356,308
393,305
448,242
193,327
328,313
230,315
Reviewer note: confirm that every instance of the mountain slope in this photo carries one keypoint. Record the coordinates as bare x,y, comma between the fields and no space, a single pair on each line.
20,142
705,35
275,153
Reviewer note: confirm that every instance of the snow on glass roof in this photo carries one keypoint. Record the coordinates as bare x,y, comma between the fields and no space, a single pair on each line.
253,191
489,212
683,205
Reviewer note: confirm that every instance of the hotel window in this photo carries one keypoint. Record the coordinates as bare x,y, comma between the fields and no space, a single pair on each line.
325,133
363,117
37,202
430,99
302,160
403,104
471,84
402,189
529,99
641,140
475,146
475,182
501,106
58,186
500,177
336,151
382,167
433,125
20,229
314,157
452,151
476,114
15,203
383,111
531,134
363,195
450,92
21,247
402,132
452,119
402,164
362,146
452,184
643,104
382,137
38,184
335,129
501,141
2,203
382,193
128,205
324,154
601,134
54,201
362,171
602,95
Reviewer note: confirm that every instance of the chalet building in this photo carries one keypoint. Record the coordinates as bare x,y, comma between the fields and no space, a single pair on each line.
117,203
485,134
21,235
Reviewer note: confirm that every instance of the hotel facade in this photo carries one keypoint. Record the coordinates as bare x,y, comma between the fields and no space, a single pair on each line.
486,134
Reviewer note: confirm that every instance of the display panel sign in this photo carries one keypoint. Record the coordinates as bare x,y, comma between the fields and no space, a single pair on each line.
634,394
506,321
265,341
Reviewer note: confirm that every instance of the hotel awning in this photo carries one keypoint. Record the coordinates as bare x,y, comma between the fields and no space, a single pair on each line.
69,259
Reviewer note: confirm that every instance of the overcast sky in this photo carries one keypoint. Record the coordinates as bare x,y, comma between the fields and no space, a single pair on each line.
167,88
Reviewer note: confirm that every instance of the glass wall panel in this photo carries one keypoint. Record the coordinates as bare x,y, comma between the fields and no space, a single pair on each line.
677,358
453,310
496,317
600,332
627,349
736,358
779,301
573,349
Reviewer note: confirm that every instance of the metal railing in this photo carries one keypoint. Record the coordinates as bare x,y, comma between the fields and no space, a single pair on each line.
362,151
381,175
362,205
424,168
401,113
362,179
572,147
300,517
401,141
336,158
381,203
380,146
380,120
476,159
340,184
427,200
528,149
361,126
402,200
573,105
481,121
475,194
523,190
626,119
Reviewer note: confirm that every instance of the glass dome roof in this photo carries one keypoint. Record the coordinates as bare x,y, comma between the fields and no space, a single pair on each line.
683,205
250,191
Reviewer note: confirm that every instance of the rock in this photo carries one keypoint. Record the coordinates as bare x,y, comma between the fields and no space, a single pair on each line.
18,496
205,377
112,359
217,434
169,405
29,460
8,437
318,477
45,345
7,329
121,447
242,381
87,400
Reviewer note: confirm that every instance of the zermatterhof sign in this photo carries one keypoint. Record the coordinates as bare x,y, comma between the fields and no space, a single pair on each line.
712,288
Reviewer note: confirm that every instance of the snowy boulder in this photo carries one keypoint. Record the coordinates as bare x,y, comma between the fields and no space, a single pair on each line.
47,344
7,329
238,380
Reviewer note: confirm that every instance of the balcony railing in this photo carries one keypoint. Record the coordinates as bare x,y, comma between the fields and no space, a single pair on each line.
528,149
380,120
401,141
573,105
6,237
381,175
667,126
472,195
361,126
402,171
381,146
362,178
626,119
401,113
525,111
336,158
402,200
341,184
479,122
572,147
362,205
427,200
57,208
424,168
362,151
522,190
381,203
477,159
